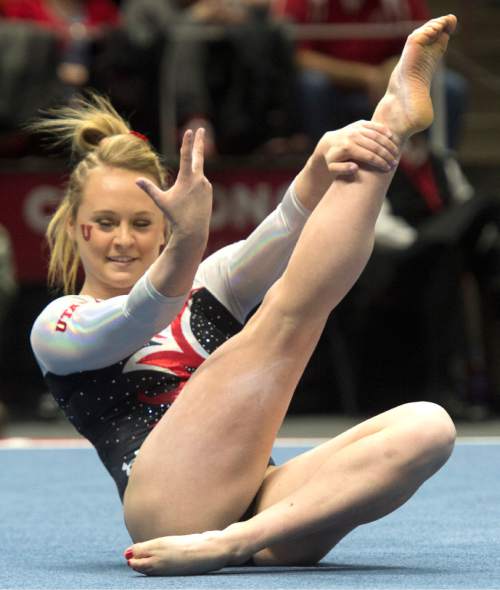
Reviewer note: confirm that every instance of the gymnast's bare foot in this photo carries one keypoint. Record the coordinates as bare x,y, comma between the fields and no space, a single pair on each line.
406,107
185,554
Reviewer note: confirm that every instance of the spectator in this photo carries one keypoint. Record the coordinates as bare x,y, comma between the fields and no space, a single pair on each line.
76,23
47,49
434,274
27,79
342,79
237,87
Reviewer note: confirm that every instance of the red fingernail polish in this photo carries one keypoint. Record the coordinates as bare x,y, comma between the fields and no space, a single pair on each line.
129,553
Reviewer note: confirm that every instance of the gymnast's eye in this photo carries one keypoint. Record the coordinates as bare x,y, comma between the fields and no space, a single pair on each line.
142,223
105,223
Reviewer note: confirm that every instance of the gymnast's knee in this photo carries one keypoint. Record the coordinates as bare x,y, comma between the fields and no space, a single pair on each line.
430,435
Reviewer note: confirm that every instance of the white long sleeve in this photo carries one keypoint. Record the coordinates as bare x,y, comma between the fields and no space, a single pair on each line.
240,274
79,333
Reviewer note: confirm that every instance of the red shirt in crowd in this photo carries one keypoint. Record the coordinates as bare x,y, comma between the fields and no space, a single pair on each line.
369,51
95,13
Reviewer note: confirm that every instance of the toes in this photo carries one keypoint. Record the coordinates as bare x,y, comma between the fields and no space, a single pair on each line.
436,26
451,23
446,23
138,551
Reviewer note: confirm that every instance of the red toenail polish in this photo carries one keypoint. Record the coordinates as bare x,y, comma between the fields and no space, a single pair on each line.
128,563
129,553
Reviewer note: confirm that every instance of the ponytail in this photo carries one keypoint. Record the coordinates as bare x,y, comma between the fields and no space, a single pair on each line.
100,137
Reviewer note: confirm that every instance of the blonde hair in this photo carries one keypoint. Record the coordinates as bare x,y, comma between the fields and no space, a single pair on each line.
84,125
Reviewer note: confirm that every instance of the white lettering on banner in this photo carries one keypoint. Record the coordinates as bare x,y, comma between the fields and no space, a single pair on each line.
241,206
39,206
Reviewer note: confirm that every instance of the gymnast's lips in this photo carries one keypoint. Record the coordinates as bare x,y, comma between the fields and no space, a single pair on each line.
121,260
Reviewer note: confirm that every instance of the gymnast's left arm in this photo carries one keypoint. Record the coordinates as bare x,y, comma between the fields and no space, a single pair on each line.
239,275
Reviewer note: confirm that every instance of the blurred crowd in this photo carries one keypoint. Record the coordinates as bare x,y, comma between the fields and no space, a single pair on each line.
238,68
233,66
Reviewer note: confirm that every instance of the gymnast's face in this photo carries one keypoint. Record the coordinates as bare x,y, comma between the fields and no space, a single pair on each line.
118,230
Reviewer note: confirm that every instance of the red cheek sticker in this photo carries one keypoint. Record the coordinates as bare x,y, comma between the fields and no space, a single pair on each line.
86,231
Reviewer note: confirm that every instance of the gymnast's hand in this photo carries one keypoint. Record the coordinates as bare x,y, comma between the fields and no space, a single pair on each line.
340,154
187,205
361,143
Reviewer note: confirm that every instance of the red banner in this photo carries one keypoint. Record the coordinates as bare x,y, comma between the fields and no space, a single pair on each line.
242,198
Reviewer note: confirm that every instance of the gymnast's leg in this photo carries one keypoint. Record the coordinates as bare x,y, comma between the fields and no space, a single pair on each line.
200,467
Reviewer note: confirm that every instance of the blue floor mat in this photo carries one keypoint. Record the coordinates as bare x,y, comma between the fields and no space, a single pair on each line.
61,527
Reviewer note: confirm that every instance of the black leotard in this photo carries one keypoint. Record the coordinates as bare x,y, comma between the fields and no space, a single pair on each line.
115,366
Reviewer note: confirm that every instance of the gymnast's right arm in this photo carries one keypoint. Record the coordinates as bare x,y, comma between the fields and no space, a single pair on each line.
79,333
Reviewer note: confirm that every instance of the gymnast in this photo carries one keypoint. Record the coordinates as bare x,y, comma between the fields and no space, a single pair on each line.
155,328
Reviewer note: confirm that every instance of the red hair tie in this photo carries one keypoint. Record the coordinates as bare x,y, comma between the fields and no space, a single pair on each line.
139,135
